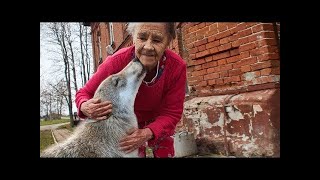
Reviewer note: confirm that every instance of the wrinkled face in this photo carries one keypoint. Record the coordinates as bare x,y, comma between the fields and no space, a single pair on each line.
150,40
121,88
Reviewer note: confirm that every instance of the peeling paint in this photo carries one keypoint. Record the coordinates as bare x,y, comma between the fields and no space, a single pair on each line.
250,126
234,113
249,76
270,123
256,108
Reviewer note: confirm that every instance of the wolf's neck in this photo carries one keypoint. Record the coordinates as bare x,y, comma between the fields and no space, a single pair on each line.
123,112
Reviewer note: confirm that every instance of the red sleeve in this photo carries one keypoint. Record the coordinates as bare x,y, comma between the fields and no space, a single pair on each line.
87,91
172,107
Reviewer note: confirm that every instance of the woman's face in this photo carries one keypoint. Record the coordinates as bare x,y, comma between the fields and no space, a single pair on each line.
150,40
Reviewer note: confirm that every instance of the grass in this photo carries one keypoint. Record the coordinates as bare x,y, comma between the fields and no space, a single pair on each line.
46,139
57,121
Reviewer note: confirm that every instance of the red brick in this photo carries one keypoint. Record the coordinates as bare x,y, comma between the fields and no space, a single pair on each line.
211,38
201,25
211,76
257,73
203,41
246,61
209,64
231,79
199,73
257,28
241,27
211,82
268,34
190,46
203,30
245,32
247,47
195,78
231,25
244,40
193,50
265,72
214,50
197,67
221,62
232,59
267,27
233,37
217,69
223,34
234,52
219,81
224,40
244,55
208,59
235,43
235,72
202,53
224,74
199,37
275,70
222,27
192,56
213,26
211,70
221,55
212,44
202,48
197,62
264,42
224,47
261,65
261,86
211,33
253,37
202,83
245,68
226,67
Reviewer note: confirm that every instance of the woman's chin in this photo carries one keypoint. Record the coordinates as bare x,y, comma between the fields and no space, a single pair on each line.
148,64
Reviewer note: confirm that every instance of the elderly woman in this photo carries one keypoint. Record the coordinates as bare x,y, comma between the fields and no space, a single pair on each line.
159,102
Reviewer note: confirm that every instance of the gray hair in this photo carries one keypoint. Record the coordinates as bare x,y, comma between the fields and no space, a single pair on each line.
171,31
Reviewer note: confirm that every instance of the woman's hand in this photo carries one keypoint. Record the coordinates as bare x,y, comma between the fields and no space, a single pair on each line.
135,139
95,109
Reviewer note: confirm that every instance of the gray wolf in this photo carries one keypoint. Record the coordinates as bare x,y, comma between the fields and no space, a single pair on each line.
100,138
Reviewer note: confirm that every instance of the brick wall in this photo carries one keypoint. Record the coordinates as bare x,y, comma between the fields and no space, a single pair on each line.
225,58
233,100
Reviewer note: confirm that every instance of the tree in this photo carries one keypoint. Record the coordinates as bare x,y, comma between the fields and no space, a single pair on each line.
69,59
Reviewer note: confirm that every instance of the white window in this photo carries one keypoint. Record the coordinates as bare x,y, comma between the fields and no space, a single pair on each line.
111,35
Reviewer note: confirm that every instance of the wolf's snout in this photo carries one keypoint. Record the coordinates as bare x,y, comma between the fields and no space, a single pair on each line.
138,62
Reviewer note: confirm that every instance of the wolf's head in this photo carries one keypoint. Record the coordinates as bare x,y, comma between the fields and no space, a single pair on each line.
121,88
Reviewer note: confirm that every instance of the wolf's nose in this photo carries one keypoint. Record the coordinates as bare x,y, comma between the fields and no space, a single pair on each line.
136,59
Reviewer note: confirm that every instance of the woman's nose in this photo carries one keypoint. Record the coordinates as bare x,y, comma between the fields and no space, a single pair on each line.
148,45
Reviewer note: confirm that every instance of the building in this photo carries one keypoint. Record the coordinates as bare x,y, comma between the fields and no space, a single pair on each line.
233,92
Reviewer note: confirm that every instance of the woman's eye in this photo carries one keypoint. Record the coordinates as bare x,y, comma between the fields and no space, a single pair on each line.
142,38
156,40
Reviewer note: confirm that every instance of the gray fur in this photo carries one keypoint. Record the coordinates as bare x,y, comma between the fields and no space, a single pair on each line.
100,138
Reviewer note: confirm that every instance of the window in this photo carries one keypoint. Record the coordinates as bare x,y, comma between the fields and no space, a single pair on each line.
111,35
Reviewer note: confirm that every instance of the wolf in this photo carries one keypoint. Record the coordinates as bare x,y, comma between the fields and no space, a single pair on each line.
101,138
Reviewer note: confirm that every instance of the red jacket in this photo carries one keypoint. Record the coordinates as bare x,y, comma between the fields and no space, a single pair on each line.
158,107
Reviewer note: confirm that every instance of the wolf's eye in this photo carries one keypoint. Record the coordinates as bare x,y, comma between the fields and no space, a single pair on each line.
115,80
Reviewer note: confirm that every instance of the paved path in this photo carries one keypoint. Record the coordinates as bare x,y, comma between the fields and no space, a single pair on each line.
60,134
